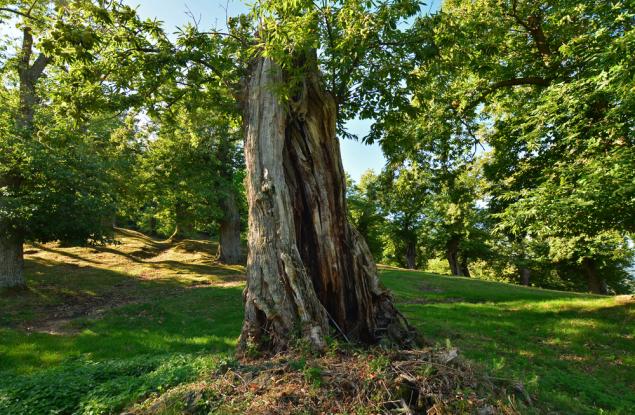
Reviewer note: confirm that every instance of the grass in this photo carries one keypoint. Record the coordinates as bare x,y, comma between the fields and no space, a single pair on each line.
574,352
103,328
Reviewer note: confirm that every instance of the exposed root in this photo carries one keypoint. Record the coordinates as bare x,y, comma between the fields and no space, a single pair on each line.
429,381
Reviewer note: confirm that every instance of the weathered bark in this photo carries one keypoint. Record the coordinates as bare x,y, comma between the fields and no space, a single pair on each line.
452,254
525,276
411,255
596,284
229,236
308,269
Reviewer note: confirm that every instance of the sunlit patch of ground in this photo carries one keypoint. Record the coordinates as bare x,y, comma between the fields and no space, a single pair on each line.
102,329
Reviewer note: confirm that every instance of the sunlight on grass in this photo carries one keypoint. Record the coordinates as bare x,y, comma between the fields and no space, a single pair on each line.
573,351
168,318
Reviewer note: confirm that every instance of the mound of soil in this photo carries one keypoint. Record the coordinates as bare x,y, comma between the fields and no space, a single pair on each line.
379,381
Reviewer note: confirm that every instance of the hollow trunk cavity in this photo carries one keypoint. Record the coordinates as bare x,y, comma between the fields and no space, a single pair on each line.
308,270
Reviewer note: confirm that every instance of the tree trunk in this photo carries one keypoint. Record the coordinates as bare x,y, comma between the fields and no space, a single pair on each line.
229,239
411,255
182,226
595,282
11,263
452,254
464,269
525,276
307,269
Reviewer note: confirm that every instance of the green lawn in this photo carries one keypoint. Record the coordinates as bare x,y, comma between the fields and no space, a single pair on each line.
575,353
102,329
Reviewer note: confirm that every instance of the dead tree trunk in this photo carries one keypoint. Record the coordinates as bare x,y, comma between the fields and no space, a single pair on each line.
308,270
229,238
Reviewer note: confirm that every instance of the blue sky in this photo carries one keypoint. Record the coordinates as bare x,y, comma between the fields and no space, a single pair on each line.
356,156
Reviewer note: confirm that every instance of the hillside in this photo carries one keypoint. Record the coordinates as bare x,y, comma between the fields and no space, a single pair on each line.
102,328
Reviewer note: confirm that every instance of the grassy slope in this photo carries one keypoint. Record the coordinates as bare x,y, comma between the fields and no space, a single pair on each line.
574,352
159,315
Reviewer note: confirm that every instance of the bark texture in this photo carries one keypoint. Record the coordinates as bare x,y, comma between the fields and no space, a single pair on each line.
308,269
229,251
11,263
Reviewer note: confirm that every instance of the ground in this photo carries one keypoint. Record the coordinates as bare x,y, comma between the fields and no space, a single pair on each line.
109,329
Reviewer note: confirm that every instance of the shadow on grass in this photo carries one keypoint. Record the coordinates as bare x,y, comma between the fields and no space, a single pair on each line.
415,284
573,351
65,254
165,318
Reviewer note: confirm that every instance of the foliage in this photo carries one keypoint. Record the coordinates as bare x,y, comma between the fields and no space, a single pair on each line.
545,90
88,387
364,212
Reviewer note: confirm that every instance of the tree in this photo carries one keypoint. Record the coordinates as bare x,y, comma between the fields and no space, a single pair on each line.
191,174
47,170
308,268
365,212
548,86
403,191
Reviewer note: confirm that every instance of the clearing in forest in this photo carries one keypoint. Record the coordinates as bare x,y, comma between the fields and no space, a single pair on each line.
107,328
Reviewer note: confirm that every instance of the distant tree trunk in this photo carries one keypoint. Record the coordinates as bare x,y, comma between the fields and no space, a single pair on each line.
229,239
411,255
464,269
452,254
525,276
596,284
308,269
181,222
153,225
11,240
11,262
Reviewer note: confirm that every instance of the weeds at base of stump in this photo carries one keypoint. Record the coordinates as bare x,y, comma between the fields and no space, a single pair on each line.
430,381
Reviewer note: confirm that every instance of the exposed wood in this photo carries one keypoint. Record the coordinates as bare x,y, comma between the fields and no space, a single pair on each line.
308,269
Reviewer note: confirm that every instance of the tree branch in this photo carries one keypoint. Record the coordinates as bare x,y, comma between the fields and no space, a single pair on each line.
40,64
507,83
20,13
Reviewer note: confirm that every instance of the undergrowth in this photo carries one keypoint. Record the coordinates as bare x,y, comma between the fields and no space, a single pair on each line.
89,387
